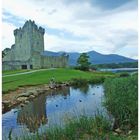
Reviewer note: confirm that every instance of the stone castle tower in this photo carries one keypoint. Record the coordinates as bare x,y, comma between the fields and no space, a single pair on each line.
27,50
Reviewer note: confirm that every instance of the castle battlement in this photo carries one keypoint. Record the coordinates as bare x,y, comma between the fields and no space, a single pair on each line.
29,26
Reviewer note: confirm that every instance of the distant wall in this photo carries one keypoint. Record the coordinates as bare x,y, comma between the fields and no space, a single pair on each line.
54,61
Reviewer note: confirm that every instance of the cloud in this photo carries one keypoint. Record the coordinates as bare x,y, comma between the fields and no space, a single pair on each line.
78,25
7,34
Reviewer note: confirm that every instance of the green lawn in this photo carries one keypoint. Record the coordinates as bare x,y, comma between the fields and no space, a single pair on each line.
43,77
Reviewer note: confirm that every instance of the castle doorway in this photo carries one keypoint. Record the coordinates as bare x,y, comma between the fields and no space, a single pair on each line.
31,66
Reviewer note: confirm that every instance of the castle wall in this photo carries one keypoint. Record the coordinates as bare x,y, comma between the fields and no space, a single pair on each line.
36,60
54,61
37,39
23,43
14,65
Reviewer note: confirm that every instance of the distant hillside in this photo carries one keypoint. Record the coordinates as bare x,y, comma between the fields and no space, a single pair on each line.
95,57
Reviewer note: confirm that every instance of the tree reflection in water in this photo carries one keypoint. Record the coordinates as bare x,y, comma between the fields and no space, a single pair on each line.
83,89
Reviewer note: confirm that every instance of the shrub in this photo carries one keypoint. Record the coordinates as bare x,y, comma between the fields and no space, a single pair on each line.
79,82
124,74
96,80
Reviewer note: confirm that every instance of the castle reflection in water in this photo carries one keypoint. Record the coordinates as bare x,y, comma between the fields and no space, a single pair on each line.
34,114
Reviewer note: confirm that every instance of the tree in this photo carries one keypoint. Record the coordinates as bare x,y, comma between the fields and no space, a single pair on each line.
5,51
3,54
83,62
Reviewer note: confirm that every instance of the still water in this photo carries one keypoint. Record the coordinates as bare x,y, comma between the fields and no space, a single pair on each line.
53,108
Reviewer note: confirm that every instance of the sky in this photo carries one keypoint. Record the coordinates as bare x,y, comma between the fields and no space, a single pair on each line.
105,26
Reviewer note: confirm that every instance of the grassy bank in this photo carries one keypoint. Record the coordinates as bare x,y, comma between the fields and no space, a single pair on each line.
43,77
121,99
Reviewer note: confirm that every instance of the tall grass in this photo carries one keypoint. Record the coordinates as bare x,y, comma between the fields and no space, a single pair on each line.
83,81
76,129
83,128
121,99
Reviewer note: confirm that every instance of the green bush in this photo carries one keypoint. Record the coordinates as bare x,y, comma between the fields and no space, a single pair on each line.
96,80
78,82
121,99
124,74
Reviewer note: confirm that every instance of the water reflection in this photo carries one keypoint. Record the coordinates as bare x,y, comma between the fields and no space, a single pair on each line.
34,114
83,89
53,108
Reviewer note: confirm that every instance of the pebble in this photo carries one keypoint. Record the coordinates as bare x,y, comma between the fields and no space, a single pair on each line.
22,105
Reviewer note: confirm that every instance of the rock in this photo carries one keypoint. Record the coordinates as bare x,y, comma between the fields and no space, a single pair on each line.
26,102
6,103
46,88
118,130
130,132
24,95
22,105
67,84
115,134
32,96
22,99
52,86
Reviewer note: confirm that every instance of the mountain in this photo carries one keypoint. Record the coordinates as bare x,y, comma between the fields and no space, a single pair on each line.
94,57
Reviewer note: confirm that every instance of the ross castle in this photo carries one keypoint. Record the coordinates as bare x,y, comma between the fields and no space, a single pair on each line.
27,52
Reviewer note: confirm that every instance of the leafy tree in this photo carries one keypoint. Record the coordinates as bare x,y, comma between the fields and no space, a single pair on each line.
83,62
3,54
5,51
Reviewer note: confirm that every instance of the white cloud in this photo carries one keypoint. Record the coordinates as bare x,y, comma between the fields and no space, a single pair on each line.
7,35
103,29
